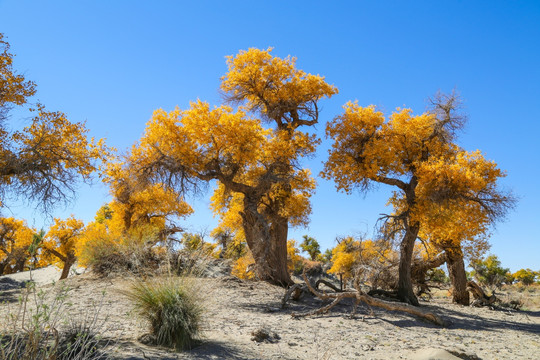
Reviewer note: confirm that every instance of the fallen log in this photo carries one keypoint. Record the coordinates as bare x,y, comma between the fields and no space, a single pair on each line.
480,297
360,296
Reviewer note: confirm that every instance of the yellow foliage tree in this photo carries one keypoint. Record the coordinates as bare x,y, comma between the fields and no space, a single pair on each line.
15,240
345,256
365,259
415,154
61,243
43,161
262,188
142,207
141,214
295,262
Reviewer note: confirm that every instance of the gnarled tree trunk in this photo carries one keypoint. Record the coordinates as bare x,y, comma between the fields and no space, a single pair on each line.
405,290
267,240
458,277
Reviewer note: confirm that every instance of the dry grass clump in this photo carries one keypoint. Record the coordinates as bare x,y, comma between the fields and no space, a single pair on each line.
172,308
527,295
36,330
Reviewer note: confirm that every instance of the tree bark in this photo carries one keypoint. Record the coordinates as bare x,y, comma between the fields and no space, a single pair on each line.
458,277
19,265
267,240
405,290
68,262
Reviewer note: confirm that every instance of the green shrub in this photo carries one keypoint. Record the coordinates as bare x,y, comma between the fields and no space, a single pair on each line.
172,308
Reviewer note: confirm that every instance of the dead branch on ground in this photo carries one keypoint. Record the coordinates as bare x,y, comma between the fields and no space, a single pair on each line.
359,297
480,297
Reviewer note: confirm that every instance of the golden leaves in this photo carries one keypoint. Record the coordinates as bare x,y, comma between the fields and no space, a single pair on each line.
272,86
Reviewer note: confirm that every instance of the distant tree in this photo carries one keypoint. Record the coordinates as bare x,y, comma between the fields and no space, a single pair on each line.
15,240
525,276
61,243
326,257
311,246
489,271
295,262
195,243
345,256
259,177
43,161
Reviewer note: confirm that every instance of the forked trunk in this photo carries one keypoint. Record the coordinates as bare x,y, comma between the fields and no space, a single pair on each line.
268,244
458,277
405,290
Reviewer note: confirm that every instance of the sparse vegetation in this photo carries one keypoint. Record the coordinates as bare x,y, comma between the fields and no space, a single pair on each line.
172,307
37,329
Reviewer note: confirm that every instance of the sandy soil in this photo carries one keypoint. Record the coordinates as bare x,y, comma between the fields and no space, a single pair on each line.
236,309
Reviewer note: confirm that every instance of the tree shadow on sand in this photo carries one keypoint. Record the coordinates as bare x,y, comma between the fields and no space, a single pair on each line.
206,350
455,319
10,289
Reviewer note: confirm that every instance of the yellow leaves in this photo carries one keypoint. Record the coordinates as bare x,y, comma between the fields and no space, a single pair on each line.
15,88
294,260
270,84
15,240
344,257
200,136
449,200
243,267
62,143
43,161
63,239
368,148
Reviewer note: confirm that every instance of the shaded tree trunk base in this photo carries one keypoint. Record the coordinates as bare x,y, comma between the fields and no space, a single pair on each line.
360,297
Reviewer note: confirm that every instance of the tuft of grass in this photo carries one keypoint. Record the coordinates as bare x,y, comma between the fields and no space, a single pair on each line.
34,331
172,308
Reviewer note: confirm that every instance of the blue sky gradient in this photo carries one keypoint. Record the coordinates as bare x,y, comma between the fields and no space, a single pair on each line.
111,63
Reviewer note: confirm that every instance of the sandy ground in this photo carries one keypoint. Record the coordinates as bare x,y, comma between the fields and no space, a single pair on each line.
236,309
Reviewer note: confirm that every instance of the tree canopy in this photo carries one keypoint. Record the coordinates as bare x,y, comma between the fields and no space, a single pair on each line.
262,187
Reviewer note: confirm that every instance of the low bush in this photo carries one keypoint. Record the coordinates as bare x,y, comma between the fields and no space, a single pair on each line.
110,257
172,309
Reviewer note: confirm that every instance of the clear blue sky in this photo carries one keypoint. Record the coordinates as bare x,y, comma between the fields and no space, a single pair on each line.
111,63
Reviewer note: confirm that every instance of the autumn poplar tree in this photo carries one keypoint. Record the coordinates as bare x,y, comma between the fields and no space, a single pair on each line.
15,241
141,206
43,161
257,168
459,202
416,155
61,243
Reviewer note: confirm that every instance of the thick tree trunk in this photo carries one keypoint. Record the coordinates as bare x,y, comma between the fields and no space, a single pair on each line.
405,290
268,244
458,277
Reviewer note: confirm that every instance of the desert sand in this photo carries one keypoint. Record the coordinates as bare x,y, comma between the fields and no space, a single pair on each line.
238,310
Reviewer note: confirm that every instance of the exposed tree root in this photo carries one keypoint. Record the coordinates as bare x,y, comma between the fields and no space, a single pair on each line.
360,296
480,297
294,292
